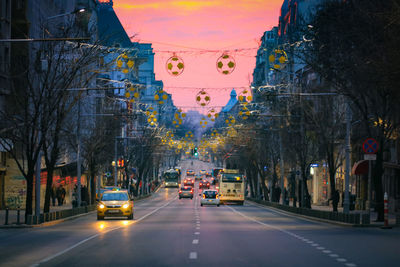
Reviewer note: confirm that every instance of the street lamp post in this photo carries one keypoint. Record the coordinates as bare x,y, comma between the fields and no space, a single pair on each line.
346,202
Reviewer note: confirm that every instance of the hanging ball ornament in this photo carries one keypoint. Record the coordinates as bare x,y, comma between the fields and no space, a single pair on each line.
203,122
131,93
212,114
230,120
245,97
160,96
278,59
175,65
124,63
244,113
226,64
203,98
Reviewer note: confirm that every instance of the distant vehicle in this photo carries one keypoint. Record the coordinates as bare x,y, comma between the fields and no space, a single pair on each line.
204,184
190,173
203,172
231,186
171,178
215,172
115,203
188,182
198,177
210,197
208,174
186,191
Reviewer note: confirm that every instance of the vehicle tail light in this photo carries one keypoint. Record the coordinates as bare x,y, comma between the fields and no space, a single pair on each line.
191,191
180,191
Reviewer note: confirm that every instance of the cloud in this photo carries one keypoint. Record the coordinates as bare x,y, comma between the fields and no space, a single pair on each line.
160,19
210,33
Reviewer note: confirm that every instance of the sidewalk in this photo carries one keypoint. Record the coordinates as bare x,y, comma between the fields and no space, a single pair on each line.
373,214
12,214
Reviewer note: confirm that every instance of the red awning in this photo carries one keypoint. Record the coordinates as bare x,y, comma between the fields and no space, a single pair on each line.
360,167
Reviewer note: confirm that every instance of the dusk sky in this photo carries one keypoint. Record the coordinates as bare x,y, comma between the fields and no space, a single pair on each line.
199,32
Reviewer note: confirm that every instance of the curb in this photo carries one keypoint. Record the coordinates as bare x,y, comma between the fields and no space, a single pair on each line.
51,223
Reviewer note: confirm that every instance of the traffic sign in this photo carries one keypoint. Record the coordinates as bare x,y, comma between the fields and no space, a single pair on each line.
369,156
370,146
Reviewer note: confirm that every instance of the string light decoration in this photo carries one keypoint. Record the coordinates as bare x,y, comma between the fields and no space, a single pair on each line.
278,59
226,64
203,98
230,120
231,132
212,114
175,65
131,92
160,96
203,122
124,63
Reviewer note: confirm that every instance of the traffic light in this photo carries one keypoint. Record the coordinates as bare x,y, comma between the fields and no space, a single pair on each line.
195,152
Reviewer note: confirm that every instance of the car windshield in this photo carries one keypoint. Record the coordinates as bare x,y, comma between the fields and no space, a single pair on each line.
210,194
114,197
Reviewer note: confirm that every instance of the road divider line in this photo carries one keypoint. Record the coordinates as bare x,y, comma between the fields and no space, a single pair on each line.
49,258
195,241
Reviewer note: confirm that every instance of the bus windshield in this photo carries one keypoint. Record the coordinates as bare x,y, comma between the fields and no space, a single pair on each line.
232,178
171,175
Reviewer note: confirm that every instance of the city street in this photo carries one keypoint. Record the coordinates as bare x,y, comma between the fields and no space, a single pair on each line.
172,232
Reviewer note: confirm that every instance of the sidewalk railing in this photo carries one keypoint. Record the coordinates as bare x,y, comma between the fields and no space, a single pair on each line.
57,215
350,218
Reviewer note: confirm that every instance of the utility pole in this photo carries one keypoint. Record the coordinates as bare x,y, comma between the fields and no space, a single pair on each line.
346,203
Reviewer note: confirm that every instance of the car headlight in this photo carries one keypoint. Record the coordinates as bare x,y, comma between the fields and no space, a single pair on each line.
125,206
101,206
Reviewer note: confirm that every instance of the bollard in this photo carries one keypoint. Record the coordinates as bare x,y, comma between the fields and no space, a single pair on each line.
18,214
6,223
385,212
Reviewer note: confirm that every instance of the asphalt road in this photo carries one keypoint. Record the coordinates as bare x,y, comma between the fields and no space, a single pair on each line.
168,231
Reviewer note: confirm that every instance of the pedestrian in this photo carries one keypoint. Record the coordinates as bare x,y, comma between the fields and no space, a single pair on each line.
63,193
53,194
335,200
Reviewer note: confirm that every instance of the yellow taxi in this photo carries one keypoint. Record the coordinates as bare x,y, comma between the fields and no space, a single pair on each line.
115,203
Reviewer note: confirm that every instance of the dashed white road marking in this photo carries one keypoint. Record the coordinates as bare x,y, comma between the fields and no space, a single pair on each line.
317,246
195,241
197,228
193,255
197,233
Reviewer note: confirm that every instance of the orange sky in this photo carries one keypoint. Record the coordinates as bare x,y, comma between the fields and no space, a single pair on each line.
183,26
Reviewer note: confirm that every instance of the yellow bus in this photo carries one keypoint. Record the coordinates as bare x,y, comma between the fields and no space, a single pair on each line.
231,186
